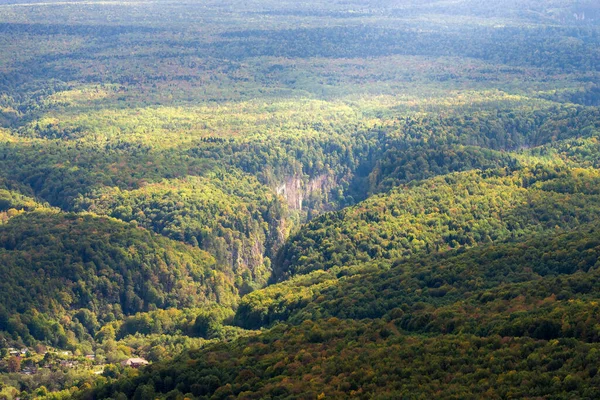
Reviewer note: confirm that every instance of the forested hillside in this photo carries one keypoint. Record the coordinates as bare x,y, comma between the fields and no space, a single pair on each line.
510,319
55,262
442,213
280,199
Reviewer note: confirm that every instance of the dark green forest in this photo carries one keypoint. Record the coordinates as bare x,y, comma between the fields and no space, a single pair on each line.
300,200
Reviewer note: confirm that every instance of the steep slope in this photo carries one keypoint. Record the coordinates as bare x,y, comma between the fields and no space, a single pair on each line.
232,216
55,265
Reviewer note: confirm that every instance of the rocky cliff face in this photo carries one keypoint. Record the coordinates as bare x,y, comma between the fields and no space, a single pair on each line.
295,190
291,191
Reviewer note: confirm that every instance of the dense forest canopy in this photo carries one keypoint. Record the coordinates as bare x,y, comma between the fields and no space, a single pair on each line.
281,199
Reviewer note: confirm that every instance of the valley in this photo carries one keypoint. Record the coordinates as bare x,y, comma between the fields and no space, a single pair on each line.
283,200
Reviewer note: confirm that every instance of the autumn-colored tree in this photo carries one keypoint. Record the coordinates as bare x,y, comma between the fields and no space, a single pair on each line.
14,364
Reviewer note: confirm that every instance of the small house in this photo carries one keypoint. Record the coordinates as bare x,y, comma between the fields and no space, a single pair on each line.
134,362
